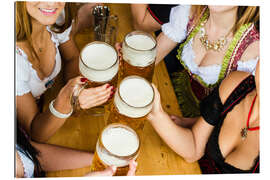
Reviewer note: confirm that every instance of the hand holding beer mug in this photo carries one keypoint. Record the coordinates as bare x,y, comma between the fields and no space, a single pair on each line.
132,102
99,64
117,146
139,54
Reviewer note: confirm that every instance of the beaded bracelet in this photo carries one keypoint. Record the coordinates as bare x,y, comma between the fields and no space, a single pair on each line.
58,114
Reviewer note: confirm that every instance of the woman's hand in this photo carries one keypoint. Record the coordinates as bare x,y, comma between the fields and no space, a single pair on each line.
92,97
157,107
110,171
62,102
118,47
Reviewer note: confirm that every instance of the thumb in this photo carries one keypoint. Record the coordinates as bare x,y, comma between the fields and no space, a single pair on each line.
132,168
109,171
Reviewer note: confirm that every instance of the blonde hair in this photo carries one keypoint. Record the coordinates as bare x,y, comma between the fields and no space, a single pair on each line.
24,25
245,14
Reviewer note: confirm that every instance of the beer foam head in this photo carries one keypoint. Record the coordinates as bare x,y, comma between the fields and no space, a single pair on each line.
136,97
138,50
99,56
99,62
120,141
140,42
136,92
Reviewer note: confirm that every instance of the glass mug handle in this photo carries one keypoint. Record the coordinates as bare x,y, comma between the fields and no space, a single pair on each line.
74,99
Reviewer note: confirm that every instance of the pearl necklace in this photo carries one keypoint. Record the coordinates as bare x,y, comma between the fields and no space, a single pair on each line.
217,45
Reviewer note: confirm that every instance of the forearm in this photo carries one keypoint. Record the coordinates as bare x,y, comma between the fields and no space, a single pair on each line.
164,46
55,158
71,68
179,139
70,54
45,124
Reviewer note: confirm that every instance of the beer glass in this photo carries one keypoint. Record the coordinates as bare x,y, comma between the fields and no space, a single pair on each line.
98,62
139,54
109,34
132,101
117,145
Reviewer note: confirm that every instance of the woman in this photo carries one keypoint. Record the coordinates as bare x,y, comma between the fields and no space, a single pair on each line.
215,40
225,139
34,159
39,42
38,62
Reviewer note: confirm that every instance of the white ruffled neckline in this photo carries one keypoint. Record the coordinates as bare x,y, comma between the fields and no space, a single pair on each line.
210,74
54,72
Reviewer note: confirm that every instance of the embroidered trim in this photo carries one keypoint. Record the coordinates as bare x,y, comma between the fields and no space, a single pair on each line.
233,48
191,35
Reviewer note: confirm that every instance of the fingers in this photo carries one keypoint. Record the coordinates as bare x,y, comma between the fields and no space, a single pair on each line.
110,171
157,95
118,47
132,168
95,96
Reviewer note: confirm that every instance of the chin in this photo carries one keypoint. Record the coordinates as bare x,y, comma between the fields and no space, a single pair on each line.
221,8
48,22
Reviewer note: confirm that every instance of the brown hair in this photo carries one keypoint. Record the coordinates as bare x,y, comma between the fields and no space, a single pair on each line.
245,14
24,24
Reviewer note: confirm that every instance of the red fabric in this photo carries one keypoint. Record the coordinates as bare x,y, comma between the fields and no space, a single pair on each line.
154,16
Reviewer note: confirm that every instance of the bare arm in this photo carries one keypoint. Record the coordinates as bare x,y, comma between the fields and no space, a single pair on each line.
55,158
19,167
164,46
70,55
142,19
41,126
188,143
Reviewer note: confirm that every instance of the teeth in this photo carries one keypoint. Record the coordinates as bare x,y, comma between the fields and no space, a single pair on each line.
47,10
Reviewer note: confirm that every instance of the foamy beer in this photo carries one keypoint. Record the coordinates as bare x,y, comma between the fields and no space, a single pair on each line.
117,145
132,101
139,54
99,63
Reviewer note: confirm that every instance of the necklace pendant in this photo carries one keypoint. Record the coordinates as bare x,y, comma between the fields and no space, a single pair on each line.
244,133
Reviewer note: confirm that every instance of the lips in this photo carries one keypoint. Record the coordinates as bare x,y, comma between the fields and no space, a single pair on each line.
47,12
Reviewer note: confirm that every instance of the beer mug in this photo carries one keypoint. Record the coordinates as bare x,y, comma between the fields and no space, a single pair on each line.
109,34
99,63
139,54
132,101
117,145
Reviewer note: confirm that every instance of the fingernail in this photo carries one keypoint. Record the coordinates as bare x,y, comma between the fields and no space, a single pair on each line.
107,86
113,88
84,79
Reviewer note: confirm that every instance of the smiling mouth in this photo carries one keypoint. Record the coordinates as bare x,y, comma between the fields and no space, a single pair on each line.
48,11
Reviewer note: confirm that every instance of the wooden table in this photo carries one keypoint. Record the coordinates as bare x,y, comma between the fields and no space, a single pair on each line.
155,158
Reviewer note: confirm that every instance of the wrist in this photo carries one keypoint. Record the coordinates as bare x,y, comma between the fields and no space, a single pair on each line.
62,103
156,116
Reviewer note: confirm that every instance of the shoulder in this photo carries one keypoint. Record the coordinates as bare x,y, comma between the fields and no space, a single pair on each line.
252,51
230,83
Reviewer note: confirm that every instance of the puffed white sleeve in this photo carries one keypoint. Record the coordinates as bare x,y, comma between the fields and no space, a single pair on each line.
22,75
176,28
248,66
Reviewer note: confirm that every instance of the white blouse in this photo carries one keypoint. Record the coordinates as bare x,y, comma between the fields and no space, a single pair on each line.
27,79
176,30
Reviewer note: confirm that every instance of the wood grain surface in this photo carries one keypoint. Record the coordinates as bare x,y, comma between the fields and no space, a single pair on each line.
155,157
